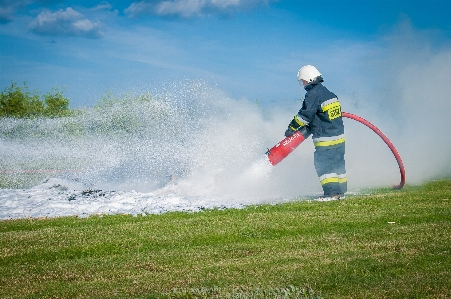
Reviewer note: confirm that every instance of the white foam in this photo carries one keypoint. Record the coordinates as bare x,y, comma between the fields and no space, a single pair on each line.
54,199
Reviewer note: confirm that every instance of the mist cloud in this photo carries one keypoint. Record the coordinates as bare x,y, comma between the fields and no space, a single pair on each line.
404,90
425,104
421,100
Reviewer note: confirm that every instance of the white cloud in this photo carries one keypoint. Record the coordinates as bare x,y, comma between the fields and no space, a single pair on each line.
67,22
6,14
84,25
8,8
103,5
188,8
191,8
185,8
139,8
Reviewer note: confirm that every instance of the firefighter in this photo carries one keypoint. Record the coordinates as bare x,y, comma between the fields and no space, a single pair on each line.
321,115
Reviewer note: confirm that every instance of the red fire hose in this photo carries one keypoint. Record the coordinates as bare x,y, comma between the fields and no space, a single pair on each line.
386,140
282,149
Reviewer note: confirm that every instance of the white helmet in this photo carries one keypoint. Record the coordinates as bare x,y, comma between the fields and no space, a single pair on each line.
308,73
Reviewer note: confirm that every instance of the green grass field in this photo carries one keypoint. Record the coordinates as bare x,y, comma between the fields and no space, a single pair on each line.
390,244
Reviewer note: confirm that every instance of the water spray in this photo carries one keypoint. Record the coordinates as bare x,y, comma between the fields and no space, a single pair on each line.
282,149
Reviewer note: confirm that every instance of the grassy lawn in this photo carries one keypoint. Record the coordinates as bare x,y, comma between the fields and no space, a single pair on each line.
391,244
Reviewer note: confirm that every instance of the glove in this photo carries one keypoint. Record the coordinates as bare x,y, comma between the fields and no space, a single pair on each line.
292,127
294,124
289,132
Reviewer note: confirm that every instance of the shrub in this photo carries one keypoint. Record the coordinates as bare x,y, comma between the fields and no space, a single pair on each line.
17,101
56,104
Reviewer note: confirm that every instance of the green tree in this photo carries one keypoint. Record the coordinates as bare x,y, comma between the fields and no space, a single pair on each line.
56,104
17,101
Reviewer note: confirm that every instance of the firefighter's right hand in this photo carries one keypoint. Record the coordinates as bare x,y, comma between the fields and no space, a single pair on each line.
289,132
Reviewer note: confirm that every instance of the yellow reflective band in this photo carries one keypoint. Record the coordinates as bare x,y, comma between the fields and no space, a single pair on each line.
329,180
331,106
342,180
329,143
298,121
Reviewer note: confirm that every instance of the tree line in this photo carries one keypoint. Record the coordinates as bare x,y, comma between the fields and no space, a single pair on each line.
17,101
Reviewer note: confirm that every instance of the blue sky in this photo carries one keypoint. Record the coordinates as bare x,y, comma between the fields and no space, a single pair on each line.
247,48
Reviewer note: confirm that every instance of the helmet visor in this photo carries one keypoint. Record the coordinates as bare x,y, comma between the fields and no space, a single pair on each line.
301,82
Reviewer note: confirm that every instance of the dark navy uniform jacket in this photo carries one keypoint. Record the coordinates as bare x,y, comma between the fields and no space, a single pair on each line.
321,113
